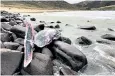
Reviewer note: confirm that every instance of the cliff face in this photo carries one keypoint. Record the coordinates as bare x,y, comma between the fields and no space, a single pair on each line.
85,5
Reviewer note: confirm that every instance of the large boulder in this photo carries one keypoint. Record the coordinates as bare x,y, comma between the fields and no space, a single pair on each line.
69,55
1,45
39,27
47,52
88,27
108,36
11,45
41,64
5,37
62,69
12,22
83,41
19,31
6,26
4,19
20,41
66,40
10,61
20,48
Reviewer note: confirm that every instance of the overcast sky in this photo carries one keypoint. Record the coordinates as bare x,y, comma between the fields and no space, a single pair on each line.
74,1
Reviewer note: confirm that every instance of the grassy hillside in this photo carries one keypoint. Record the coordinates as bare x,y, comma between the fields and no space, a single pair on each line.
61,5
39,4
112,7
95,4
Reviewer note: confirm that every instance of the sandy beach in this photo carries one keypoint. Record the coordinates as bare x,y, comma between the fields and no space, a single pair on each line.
28,10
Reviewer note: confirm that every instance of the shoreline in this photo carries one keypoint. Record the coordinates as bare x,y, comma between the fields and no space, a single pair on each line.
29,10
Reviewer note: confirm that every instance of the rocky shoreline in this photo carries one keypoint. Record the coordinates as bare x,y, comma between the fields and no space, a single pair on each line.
12,39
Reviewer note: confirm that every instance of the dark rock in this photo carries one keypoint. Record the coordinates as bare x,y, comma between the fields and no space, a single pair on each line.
18,21
39,27
20,41
42,21
88,21
47,52
10,61
66,40
41,64
20,48
51,22
88,27
32,19
110,29
65,70
12,23
51,26
108,36
6,26
69,55
103,41
4,20
67,25
11,45
4,12
5,37
58,21
83,41
57,26
19,31
1,45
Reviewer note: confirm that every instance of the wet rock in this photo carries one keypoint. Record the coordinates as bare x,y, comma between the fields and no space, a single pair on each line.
58,22
20,48
42,21
4,12
12,23
19,21
6,26
47,52
57,26
32,19
20,41
11,45
4,20
1,45
51,26
5,37
110,29
66,40
41,65
69,55
10,61
65,70
103,41
108,36
88,27
19,31
51,22
83,41
67,25
39,27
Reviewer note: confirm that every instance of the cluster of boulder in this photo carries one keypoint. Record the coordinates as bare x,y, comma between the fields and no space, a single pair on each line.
61,60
